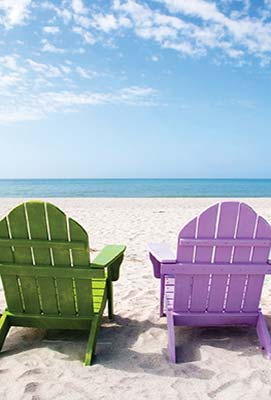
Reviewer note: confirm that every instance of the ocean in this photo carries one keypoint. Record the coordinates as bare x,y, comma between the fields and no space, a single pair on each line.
36,188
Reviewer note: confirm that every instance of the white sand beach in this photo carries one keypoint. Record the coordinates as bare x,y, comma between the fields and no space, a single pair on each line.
132,357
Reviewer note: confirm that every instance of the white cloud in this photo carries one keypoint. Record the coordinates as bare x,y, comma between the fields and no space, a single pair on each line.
51,29
195,26
199,8
105,22
47,70
78,7
136,95
82,20
87,36
85,73
251,33
9,80
63,13
155,58
14,12
184,48
65,69
31,89
39,105
191,27
51,48
9,61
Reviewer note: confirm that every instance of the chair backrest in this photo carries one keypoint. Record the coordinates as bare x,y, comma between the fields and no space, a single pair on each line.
247,239
42,253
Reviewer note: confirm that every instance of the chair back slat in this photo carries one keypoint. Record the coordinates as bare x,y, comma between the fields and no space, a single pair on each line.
226,228
37,217
10,283
237,284
200,288
80,258
19,229
259,255
184,285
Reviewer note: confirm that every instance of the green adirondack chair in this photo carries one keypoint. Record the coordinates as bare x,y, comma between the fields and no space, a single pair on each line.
47,276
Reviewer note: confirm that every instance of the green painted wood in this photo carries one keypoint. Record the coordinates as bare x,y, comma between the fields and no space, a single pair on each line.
6,253
109,288
96,323
111,257
46,245
91,341
19,229
49,271
56,288
10,283
40,235
50,322
84,296
100,314
38,231
79,235
4,328
58,231
62,259
108,255
98,293
30,295
83,288
66,296
12,293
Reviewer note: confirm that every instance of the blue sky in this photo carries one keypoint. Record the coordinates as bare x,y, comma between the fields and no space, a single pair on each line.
131,88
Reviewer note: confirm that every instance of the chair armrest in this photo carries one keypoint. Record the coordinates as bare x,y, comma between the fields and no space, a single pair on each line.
160,253
110,257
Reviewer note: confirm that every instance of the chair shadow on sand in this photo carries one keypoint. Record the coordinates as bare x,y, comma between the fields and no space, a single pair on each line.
117,339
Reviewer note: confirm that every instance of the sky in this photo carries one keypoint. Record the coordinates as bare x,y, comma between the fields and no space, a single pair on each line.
135,89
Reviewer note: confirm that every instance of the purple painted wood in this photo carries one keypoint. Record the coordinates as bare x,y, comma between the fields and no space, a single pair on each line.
183,285
171,337
226,229
185,253
215,319
245,230
169,291
216,269
158,253
255,283
225,242
161,252
263,335
218,276
162,295
206,229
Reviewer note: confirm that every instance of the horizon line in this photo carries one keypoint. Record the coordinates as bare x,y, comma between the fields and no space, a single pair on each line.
78,178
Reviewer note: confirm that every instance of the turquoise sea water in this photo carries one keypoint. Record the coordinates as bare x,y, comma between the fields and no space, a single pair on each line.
135,188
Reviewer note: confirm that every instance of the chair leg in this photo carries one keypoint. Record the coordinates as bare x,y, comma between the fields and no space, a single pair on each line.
263,335
4,328
171,337
92,341
162,294
110,300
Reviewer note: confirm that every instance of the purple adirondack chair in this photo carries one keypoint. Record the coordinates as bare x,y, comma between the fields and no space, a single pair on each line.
218,273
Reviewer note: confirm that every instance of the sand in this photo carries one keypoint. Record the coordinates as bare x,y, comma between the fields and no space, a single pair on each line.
132,358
